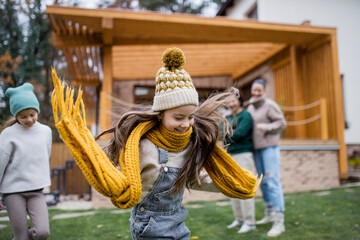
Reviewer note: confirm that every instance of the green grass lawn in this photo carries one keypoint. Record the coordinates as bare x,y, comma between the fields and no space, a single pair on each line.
309,215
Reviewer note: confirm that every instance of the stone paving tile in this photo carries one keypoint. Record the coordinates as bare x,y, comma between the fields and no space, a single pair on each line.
323,193
120,211
74,205
72,215
3,226
6,219
223,203
194,206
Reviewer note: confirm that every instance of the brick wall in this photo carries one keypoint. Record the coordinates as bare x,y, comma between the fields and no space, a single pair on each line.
304,170
301,170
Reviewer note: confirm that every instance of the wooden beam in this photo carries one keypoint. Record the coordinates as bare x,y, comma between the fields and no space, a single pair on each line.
148,27
107,25
340,122
317,43
54,26
324,119
82,83
64,41
280,63
261,59
183,18
67,52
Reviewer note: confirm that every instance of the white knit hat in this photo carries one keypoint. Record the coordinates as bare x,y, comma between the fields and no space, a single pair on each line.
174,87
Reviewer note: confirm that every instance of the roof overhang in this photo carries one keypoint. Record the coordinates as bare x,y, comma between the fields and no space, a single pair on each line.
213,46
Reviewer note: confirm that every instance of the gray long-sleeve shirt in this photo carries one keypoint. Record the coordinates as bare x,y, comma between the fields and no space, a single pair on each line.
266,112
150,168
24,158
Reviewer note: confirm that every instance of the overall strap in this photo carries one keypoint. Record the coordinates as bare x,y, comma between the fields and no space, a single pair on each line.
163,155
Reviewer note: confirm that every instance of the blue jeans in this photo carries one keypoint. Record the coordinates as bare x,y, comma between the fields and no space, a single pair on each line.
267,162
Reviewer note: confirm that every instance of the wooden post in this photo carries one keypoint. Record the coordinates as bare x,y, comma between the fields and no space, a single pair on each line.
105,102
340,123
107,25
324,120
298,100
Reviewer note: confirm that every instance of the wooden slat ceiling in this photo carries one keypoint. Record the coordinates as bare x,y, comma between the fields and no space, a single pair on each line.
84,64
143,61
213,46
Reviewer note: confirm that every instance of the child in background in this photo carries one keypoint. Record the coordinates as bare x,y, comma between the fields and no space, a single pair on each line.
159,153
25,146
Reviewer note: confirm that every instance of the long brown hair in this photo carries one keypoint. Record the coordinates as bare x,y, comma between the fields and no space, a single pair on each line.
121,131
209,127
9,123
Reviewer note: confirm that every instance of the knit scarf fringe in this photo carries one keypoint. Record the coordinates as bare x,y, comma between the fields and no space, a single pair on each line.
124,187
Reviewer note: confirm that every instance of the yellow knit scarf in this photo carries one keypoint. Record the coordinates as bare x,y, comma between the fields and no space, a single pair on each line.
124,187
172,142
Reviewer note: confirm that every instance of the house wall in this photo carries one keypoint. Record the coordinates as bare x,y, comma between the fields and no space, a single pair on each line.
344,16
240,8
304,170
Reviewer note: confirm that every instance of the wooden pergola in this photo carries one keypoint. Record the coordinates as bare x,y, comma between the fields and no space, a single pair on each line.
103,46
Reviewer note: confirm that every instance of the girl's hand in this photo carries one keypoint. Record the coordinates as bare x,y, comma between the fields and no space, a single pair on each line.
1,207
261,127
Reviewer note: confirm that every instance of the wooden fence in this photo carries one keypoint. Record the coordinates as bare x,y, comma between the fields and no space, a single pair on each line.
75,181
320,116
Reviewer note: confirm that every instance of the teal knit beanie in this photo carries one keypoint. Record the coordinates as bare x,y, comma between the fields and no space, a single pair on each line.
22,98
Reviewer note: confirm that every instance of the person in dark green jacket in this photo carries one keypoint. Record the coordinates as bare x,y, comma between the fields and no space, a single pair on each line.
240,147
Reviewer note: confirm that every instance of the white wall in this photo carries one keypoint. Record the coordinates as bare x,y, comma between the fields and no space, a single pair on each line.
341,14
239,9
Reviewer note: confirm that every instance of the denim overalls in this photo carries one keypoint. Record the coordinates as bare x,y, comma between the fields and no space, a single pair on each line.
160,214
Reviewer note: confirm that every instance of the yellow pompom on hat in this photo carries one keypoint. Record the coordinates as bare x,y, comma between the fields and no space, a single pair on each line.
174,87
